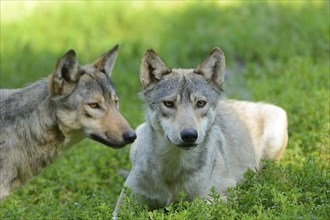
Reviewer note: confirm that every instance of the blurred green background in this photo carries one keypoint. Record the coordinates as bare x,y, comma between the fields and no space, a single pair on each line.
276,51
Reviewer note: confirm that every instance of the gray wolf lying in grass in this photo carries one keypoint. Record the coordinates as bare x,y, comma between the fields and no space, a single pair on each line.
193,137
41,120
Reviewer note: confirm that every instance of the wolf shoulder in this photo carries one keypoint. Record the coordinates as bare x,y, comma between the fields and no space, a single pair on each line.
5,92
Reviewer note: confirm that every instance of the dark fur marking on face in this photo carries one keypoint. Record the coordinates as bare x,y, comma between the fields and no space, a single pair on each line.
185,85
105,84
164,114
184,89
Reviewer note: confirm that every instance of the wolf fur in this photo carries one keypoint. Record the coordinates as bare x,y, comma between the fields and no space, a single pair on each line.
41,120
193,138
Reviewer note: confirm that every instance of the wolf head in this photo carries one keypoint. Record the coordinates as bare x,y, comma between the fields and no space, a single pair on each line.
85,100
181,103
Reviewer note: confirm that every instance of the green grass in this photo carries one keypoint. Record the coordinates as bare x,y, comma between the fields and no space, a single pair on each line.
284,50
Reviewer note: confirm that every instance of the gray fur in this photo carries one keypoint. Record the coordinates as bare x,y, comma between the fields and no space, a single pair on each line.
40,121
232,135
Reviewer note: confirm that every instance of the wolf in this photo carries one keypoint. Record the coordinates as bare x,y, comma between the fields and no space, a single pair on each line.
193,137
40,121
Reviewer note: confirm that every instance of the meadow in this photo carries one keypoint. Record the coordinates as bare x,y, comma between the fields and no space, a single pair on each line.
276,52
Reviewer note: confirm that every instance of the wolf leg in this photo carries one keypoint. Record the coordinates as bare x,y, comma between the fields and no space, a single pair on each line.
119,202
4,191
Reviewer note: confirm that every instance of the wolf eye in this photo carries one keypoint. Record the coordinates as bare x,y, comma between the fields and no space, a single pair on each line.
169,104
94,105
201,103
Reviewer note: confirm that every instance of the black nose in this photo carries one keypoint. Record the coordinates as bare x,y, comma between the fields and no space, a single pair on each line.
189,135
129,137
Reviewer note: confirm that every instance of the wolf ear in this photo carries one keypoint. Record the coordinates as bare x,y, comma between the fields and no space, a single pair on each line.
213,67
152,68
65,74
106,62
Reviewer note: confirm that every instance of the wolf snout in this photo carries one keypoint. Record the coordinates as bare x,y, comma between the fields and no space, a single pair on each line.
129,137
189,135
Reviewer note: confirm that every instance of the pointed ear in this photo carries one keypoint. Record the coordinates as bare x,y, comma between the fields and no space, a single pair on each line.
65,74
213,67
152,68
106,62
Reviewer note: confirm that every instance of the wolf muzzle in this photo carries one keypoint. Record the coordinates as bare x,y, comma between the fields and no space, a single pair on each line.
128,138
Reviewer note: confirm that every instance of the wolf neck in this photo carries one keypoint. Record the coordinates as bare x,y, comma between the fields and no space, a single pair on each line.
36,121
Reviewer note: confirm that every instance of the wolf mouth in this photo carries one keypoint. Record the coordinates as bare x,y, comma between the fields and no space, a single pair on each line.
107,142
183,146
187,146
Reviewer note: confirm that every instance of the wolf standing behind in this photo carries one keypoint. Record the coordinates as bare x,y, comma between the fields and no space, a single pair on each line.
41,120
194,138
